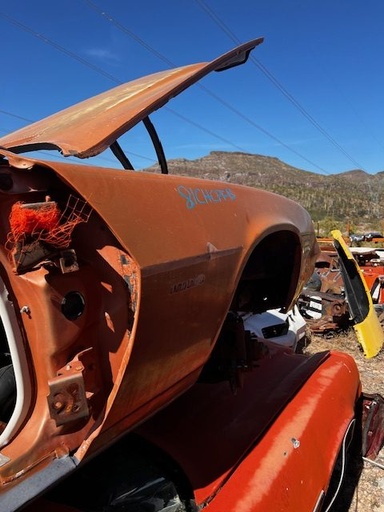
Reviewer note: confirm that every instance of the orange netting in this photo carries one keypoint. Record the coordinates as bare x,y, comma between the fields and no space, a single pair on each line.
45,222
28,221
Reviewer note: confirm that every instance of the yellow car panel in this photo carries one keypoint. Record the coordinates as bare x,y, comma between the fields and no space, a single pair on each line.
366,323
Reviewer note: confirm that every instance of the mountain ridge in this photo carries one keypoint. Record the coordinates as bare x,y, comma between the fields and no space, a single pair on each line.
352,196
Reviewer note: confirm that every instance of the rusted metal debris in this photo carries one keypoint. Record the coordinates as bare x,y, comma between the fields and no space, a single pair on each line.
323,302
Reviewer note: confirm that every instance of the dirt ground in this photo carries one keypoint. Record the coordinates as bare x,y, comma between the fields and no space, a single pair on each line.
365,489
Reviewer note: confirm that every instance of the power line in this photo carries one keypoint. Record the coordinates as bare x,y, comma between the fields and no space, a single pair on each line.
16,116
75,56
129,33
263,130
277,84
58,47
149,48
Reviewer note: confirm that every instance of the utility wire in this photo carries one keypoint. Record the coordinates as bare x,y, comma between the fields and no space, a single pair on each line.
269,75
58,47
152,50
129,33
16,116
149,48
75,56
263,130
276,83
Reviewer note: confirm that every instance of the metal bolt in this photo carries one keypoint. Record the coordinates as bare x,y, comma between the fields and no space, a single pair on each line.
295,442
59,402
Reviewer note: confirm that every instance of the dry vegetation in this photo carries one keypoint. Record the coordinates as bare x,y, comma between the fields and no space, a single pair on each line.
367,495
354,198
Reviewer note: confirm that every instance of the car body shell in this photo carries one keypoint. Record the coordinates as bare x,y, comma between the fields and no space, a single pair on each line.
286,328
372,235
355,238
114,312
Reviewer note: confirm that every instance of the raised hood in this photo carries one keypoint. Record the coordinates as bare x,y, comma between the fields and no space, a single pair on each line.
88,128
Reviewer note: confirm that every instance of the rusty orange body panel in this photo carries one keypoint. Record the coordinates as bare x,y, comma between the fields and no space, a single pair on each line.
138,273
90,127
374,277
120,301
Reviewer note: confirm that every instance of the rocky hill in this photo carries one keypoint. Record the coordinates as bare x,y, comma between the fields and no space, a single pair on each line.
354,196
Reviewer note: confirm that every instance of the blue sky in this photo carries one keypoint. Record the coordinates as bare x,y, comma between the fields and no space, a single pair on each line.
312,94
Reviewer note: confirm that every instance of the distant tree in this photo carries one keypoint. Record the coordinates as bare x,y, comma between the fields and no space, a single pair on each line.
328,224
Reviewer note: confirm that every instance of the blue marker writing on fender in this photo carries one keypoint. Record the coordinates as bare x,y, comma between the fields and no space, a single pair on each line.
195,196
